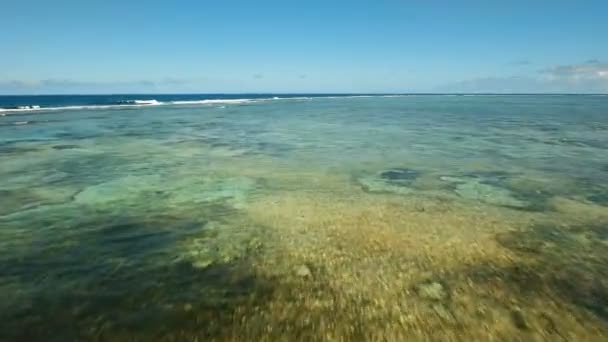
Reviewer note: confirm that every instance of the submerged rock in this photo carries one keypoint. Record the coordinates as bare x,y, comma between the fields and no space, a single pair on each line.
519,319
303,271
202,263
221,244
488,187
432,290
490,194
394,180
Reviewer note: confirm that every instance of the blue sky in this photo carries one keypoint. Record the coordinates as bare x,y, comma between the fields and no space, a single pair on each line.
303,46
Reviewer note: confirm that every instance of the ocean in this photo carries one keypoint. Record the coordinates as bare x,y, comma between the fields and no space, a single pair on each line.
304,217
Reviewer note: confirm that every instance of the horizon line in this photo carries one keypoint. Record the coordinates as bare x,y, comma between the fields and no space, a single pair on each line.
306,93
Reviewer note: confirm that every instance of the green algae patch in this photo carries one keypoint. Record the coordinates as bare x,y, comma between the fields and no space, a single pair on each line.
567,260
16,200
222,243
156,190
127,189
495,188
231,190
477,191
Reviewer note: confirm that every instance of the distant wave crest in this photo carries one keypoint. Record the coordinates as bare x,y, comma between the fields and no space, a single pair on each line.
140,102
212,101
154,102
20,108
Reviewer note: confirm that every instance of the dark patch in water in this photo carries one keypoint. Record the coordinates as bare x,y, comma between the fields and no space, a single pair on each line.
536,200
599,197
399,176
220,145
10,149
582,143
95,240
73,136
65,147
108,278
546,128
139,133
535,239
88,170
548,142
496,178
596,231
385,181
274,149
600,231
158,303
574,271
16,200
586,291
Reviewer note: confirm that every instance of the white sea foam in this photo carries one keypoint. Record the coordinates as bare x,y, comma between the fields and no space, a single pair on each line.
214,101
154,102
146,102
360,96
19,109
5,111
131,104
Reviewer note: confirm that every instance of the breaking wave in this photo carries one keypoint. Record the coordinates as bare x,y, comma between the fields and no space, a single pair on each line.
155,102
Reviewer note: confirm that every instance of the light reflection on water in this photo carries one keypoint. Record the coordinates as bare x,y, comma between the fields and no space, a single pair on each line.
373,218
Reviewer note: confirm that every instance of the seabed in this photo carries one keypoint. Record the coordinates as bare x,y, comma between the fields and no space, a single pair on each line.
140,239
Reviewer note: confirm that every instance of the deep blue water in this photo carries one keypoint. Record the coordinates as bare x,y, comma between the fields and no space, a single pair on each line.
14,101
7,102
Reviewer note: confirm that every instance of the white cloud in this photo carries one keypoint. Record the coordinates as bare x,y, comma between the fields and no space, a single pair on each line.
587,77
593,70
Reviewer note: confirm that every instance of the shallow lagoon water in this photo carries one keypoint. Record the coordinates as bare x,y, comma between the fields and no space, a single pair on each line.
342,218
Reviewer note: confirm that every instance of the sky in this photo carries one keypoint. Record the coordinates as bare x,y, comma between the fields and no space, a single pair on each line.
59,47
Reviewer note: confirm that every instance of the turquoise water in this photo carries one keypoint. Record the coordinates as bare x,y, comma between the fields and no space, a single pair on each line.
376,217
